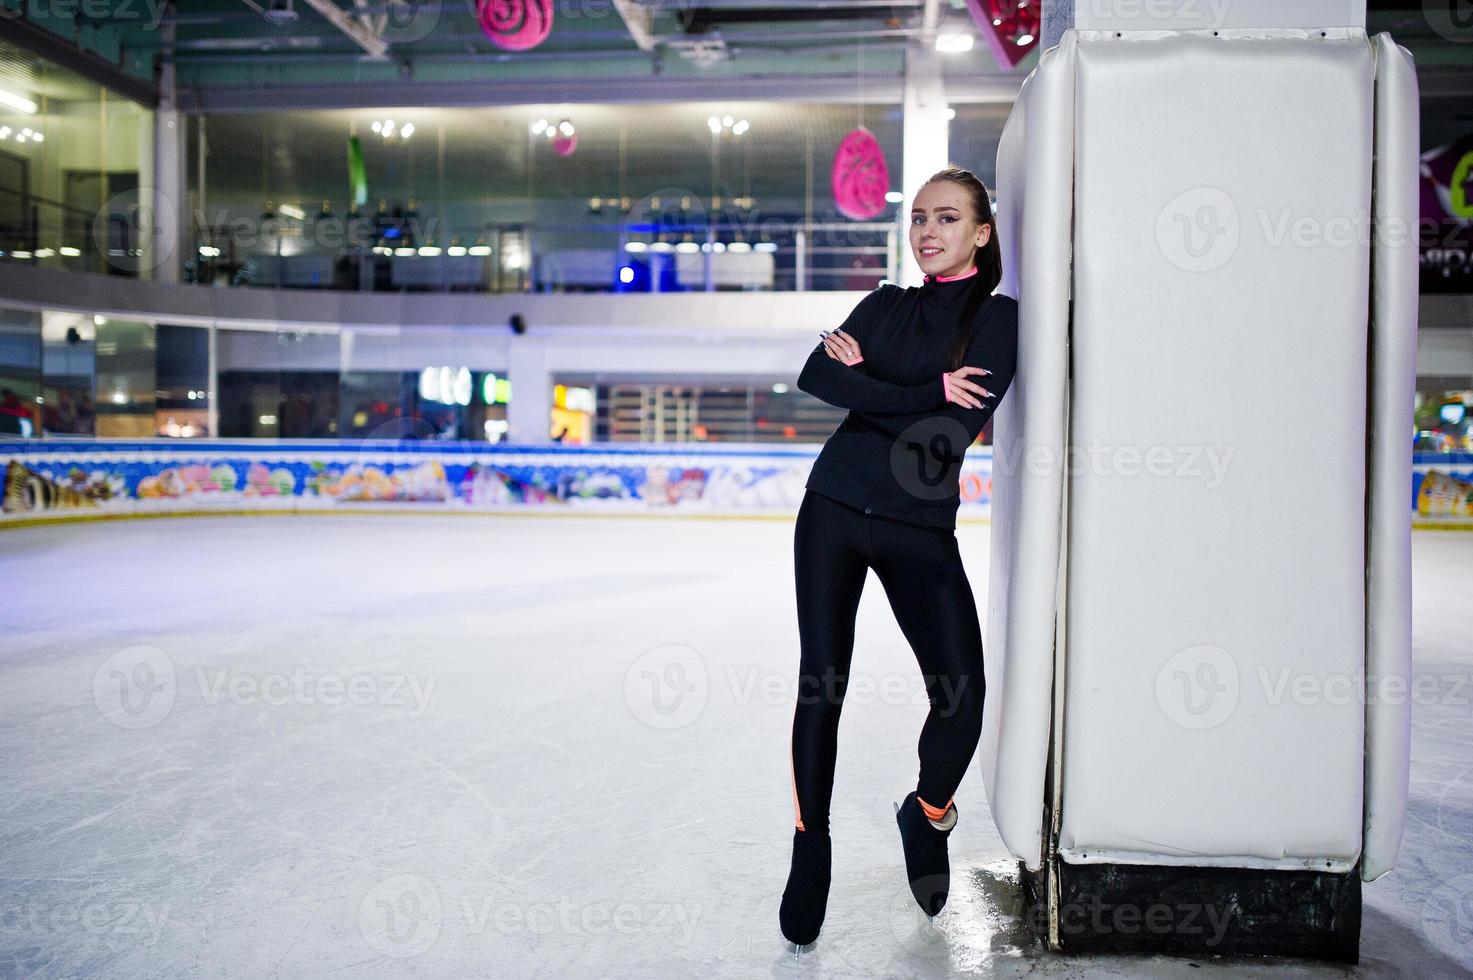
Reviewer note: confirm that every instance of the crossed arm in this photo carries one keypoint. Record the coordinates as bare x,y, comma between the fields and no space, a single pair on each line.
844,386
994,347
833,381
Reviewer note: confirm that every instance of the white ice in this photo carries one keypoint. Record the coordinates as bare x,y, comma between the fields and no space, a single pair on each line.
420,745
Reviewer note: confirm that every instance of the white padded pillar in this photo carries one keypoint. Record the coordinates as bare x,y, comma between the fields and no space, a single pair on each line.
1216,524
1034,186
1393,384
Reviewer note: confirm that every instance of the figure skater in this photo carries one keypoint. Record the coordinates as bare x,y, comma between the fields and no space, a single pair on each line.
921,370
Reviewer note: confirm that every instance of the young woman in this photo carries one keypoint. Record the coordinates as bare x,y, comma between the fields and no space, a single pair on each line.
921,370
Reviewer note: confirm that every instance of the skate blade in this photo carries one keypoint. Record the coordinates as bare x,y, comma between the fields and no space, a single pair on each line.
896,806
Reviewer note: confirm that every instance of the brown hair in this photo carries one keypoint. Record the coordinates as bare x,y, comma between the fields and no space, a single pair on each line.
988,259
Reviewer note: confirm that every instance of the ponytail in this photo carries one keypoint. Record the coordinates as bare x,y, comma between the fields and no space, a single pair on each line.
988,259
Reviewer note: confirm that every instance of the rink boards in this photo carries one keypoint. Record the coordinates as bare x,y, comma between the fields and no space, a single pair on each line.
84,479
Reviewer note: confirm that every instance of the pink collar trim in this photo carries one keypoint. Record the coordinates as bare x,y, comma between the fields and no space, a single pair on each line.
965,275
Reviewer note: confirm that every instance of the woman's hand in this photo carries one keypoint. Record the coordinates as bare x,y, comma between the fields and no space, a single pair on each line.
842,347
960,391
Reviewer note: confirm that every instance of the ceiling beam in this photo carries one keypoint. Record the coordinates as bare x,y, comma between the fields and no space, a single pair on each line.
640,20
366,38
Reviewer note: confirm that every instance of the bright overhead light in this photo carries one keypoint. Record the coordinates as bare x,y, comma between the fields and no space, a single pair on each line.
727,121
634,247
407,131
714,124
292,211
894,197
954,43
741,127
17,102
1024,38
539,127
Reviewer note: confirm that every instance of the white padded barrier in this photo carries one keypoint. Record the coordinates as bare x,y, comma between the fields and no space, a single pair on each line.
1236,546
1393,384
1216,318
1034,187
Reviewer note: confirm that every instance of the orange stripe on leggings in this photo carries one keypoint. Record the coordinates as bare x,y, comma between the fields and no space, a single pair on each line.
932,812
792,771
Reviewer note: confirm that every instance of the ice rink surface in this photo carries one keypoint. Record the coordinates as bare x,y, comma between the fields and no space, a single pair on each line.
450,746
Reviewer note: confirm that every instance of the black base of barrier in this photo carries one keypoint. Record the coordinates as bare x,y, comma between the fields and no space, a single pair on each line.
1192,911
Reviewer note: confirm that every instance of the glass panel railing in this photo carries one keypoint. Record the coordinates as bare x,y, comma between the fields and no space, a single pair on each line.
779,255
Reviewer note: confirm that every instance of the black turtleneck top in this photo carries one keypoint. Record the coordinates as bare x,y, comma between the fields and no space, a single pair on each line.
898,453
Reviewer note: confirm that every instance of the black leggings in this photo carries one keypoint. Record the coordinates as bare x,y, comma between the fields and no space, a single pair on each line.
834,546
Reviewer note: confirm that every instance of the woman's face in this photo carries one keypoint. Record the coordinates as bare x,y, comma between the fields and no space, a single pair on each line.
943,230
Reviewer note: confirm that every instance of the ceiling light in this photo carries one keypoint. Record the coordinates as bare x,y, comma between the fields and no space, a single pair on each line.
17,102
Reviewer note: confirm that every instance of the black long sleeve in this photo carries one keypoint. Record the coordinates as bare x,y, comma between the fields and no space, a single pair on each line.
994,346
889,457
845,386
